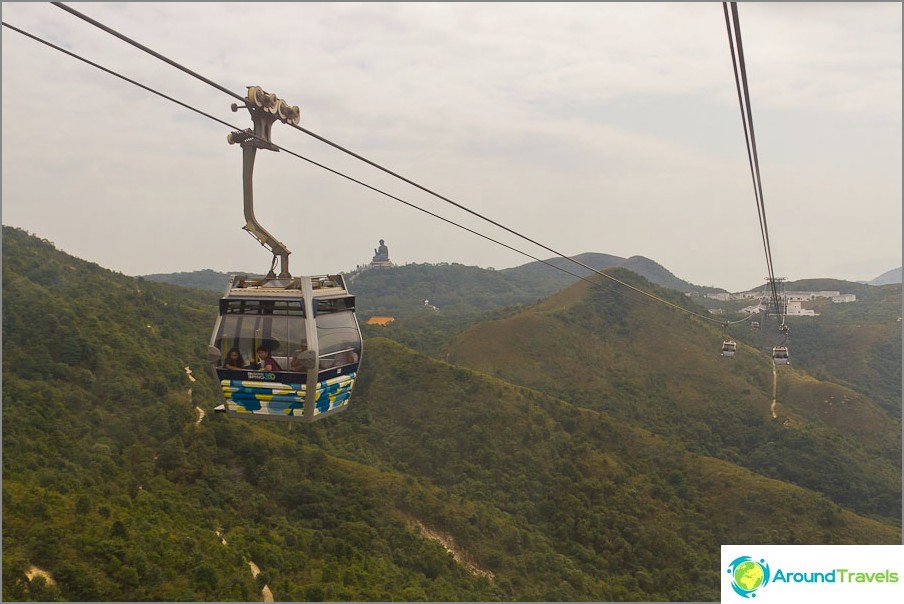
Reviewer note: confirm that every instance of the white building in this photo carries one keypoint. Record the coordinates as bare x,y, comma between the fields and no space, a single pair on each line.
794,309
723,297
799,296
842,298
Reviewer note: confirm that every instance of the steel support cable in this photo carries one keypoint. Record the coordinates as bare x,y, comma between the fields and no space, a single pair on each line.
378,166
153,53
294,154
744,122
734,65
327,168
750,138
288,151
756,160
747,318
113,73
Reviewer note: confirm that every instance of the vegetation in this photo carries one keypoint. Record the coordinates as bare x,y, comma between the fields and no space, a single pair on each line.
203,279
606,348
553,489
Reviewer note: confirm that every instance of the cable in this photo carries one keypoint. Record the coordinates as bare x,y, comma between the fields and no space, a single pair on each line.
372,163
294,154
750,138
113,73
288,151
153,53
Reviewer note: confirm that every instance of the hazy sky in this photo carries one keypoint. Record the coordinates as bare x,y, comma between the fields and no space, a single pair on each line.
601,127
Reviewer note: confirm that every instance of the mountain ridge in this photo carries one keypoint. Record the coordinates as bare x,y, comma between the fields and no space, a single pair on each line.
888,277
113,486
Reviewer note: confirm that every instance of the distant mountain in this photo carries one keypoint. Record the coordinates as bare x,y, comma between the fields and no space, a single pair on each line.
650,270
583,449
454,287
892,276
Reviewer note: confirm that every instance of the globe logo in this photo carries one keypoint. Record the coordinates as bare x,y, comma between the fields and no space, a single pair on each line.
748,575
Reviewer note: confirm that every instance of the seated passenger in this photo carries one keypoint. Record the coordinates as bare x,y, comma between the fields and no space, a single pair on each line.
346,357
267,363
234,359
300,361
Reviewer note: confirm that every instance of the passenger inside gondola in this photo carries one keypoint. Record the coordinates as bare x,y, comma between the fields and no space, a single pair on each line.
302,359
234,359
267,363
346,357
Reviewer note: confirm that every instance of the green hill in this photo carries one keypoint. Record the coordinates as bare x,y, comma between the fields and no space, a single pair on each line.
112,486
606,348
439,483
203,279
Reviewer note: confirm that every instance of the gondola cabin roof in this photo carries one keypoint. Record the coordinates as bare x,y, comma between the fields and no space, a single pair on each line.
261,287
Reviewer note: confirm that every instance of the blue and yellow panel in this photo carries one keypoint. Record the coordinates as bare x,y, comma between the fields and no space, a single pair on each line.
264,398
333,393
277,399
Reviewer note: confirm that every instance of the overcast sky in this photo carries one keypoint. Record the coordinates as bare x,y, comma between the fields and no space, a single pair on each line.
603,127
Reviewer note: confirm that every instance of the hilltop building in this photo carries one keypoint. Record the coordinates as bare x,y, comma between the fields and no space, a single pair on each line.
380,320
792,300
795,310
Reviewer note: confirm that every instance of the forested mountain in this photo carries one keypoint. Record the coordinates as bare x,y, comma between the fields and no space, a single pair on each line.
459,289
203,279
431,303
583,485
606,348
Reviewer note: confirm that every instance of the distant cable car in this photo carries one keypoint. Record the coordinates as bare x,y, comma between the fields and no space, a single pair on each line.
780,355
293,337
729,347
283,347
755,325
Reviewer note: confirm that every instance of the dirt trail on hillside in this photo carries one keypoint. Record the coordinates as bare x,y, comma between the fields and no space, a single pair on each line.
460,556
774,389
265,590
33,571
255,570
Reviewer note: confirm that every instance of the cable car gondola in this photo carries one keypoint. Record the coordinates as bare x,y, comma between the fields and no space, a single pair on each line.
755,325
729,347
307,327
283,347
780,355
